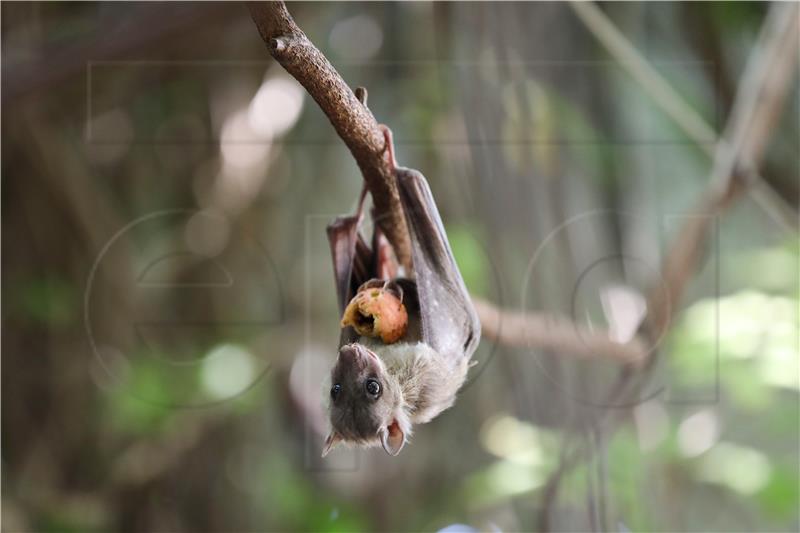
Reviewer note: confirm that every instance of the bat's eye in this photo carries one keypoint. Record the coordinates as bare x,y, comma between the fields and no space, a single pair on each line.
373,387
335,390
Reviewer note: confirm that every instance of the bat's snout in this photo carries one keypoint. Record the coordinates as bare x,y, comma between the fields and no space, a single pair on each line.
357,355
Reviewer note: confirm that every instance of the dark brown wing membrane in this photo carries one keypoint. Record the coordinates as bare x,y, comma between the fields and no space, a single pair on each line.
355,263
449,322
351,263
343,238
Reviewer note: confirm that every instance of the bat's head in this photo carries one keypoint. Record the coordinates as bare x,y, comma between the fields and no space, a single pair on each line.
366,403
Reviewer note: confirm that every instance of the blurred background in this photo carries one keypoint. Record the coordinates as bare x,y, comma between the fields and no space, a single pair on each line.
168,302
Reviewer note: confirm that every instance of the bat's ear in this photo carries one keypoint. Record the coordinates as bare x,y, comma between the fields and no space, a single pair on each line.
393,438
331,442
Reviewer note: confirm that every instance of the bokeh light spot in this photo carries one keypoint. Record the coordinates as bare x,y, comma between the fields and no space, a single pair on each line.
227,371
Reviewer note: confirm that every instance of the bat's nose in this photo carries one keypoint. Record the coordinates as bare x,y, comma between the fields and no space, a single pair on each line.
353,354
348,354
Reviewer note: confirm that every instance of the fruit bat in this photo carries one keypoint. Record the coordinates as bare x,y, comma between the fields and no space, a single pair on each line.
381,387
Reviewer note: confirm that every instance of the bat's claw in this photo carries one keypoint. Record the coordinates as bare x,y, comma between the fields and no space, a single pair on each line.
388,144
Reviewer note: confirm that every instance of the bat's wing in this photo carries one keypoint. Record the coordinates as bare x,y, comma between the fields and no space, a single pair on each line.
355,263
449,322
352,263
343,238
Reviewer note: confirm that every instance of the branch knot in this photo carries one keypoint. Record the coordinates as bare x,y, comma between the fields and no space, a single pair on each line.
277,45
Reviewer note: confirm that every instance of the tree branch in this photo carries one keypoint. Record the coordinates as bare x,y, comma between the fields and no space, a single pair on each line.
352,120
759,99
559,334
673,105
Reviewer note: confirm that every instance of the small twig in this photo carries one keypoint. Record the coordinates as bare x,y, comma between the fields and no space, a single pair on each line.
361,94
354,123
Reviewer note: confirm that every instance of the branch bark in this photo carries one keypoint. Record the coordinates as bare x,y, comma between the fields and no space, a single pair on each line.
352,120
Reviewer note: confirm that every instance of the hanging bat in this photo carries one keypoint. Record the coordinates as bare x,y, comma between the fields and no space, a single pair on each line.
381,387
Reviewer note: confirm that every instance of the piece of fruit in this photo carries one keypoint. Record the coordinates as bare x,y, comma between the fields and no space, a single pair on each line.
376,312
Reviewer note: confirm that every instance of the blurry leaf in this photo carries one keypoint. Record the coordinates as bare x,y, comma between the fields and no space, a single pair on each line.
736,15
56,523
750,268
775,419
427,104
744,389
748,340
49,300
471,259
528,457
521,442
332,519
690,360
73,514
501,480
740,468
779,498
544,118
141,403
295,501
627,477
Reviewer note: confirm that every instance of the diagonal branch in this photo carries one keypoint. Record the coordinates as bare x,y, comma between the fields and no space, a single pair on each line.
761,95
759,99
354,123
675,107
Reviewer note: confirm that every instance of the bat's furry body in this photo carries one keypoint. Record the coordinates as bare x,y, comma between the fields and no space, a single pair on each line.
427,381
379,391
